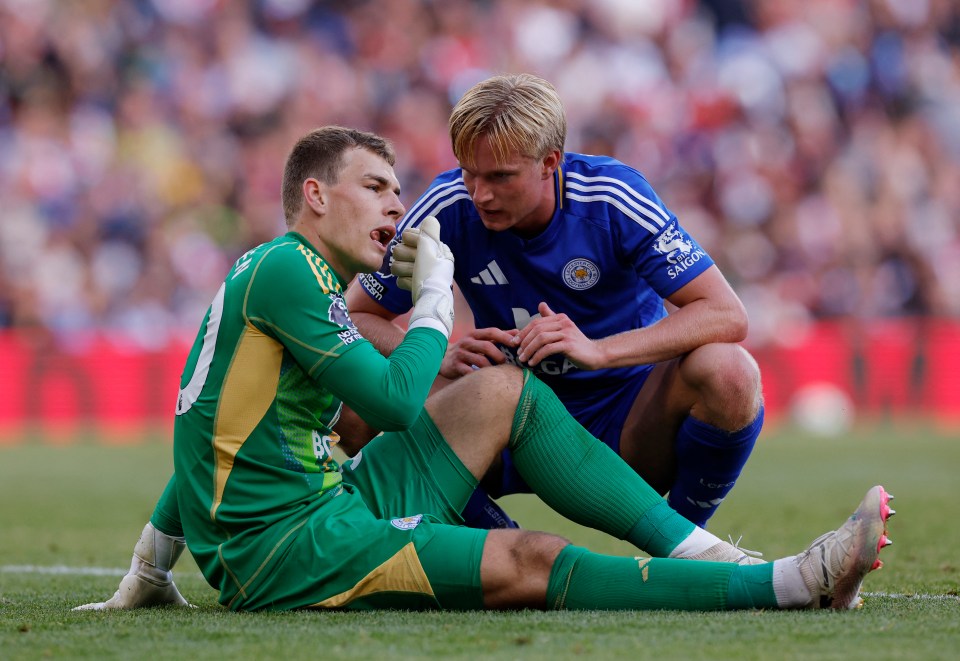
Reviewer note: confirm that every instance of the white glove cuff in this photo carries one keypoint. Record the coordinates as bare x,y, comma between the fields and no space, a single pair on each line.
434,309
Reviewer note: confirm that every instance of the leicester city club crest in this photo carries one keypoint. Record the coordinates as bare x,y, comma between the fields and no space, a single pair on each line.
580,274
407,522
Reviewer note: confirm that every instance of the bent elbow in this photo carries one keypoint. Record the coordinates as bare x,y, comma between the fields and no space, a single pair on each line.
739,324
396,418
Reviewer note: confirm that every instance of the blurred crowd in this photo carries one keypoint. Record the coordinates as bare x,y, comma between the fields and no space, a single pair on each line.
813,148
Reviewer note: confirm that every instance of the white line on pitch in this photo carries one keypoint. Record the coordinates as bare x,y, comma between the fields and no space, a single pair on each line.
72,571
901,595
62,569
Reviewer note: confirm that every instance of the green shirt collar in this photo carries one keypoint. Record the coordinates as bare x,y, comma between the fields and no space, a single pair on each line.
302,239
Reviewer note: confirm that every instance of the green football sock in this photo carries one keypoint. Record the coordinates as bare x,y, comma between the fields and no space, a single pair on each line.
581,580
583,479
751,587
166,514
584,580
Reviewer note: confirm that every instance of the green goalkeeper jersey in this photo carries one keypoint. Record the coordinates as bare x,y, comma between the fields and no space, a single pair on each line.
259,399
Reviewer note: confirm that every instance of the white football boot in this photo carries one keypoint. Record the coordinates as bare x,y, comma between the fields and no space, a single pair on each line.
834,565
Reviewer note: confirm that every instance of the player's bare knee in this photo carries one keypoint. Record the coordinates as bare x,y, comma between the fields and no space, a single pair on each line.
727,379
475,415
505,377
506,381
515,567
537,551
741,374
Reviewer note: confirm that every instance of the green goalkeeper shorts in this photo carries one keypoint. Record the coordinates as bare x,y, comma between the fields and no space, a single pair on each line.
392,538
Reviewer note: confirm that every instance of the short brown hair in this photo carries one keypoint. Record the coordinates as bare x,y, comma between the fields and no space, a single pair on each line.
319,154
519,112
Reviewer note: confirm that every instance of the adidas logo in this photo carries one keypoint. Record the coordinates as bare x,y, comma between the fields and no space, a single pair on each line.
492,275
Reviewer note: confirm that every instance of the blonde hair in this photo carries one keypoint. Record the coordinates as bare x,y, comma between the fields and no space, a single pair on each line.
520,112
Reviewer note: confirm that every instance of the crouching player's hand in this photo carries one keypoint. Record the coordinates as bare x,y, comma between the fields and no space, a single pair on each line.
476,348
424,265
150,579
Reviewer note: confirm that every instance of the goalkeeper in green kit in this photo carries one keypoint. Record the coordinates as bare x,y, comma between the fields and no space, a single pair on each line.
275,523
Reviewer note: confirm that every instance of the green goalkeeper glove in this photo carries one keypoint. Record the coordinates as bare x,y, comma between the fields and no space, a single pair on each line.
149,581
423,265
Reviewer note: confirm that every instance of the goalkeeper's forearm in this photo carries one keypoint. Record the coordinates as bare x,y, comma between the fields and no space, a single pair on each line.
382,333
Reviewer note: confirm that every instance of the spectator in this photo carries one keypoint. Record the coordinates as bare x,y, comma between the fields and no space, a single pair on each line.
813,147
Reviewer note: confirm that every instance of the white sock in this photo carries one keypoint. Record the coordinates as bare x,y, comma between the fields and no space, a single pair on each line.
788,584
697,542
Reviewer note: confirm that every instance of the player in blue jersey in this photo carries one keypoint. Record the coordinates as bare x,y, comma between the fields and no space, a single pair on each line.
569,263
275,522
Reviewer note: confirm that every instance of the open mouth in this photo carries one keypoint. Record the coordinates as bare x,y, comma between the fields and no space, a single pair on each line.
384,235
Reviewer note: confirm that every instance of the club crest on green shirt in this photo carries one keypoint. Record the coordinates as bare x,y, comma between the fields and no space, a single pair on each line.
407,522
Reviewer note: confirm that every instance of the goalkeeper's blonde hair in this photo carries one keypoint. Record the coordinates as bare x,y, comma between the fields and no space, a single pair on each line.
519,112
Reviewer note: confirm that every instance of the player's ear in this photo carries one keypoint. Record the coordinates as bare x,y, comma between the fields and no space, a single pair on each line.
550,163
315,195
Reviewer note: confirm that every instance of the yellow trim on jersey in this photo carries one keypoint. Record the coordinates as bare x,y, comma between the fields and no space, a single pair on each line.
249,388
400,573
325,277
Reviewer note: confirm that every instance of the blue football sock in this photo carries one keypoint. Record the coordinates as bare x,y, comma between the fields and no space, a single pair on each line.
481,511
709,461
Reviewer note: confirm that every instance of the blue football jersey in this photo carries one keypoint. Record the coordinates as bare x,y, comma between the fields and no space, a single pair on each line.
610,255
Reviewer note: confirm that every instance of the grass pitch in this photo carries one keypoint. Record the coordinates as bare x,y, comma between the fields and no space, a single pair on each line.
70,515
